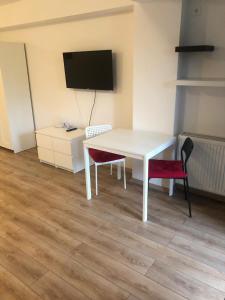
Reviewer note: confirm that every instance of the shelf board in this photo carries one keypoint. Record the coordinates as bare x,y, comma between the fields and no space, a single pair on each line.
215,82
199,48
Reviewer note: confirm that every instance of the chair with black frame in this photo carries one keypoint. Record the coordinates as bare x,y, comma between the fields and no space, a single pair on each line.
174,169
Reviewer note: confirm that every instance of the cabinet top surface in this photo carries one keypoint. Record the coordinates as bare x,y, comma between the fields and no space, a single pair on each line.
61,133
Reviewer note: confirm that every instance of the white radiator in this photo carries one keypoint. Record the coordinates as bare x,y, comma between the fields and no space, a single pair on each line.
206,166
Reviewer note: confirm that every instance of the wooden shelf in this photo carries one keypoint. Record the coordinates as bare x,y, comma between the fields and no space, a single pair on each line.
216,82
200,48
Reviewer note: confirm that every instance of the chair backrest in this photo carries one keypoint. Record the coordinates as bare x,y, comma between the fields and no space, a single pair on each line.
92,131
186,151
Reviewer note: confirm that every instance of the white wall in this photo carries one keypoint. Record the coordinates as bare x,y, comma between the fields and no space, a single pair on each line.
53,102
157,31
203,108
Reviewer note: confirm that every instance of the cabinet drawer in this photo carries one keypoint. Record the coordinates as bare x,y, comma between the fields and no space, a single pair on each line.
64,161
62,146
44,141
46,155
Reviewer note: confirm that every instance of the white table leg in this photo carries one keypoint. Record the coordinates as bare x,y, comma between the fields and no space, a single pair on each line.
87,173
119,175
171,187
145,191
172,181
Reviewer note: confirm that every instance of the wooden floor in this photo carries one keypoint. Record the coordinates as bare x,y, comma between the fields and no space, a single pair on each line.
56,245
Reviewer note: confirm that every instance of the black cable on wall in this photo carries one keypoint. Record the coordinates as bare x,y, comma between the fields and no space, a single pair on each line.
95,94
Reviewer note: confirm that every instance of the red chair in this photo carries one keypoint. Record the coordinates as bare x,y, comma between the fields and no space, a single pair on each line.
174,169
104,158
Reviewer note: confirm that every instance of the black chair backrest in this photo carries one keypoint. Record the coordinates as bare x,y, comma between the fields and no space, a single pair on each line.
186,150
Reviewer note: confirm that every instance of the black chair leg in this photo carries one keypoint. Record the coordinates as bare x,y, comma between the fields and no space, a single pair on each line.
186,192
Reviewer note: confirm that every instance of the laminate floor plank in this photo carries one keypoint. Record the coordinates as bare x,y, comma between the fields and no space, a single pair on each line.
64,227
140,244
206,239
54,244
182,284
13,289
85,280
131,297
193,268
201,253
52,287
20,264
120,275
41,230
118,251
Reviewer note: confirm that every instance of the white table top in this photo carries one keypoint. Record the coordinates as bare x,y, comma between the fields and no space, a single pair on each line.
131,143
61,133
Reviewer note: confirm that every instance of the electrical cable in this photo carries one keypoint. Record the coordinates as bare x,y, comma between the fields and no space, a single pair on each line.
92,109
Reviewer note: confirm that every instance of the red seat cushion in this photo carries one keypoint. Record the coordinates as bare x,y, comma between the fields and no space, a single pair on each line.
102,156
166,169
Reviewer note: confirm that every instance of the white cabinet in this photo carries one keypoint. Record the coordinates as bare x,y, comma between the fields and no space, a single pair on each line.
60,148
16,117
46,155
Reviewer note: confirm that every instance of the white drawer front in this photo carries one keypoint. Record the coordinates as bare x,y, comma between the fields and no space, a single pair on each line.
46,155
44,141
62,146
63,161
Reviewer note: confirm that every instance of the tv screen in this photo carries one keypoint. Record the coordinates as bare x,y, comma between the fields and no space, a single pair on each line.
89,70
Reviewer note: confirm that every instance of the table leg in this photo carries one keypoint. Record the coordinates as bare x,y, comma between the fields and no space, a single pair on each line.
172,181
119,175
145,191
171,187
87,173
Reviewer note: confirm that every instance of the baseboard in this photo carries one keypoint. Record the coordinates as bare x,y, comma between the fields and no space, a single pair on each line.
180,187
6,149
203,193
177,186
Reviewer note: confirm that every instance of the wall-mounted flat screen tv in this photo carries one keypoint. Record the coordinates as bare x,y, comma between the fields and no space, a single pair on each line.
89,70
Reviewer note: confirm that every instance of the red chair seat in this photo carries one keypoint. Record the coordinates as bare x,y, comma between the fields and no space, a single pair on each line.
166,169
102,156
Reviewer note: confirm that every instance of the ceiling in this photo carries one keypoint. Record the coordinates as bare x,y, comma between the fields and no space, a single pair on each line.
4,2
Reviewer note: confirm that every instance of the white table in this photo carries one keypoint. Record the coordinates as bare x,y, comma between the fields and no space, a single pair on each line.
136,144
